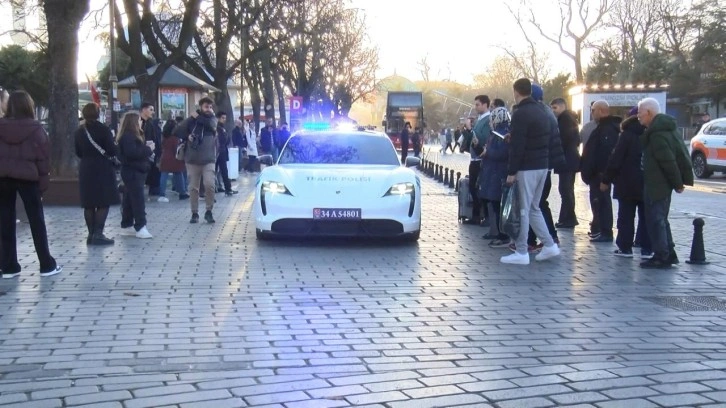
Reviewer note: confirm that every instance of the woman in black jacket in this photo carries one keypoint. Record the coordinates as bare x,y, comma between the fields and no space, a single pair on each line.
96,173
625,172
136,156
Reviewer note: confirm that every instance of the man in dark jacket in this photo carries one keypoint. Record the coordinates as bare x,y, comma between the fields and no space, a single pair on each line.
201,156
528,165
625,173
267,139
152,133
666,167
239,140
594,164
570,137
223,154
281,137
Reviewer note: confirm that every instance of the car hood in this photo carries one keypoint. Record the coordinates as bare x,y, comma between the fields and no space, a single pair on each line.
309,181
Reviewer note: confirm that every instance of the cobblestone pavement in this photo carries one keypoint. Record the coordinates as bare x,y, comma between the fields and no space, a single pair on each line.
205,316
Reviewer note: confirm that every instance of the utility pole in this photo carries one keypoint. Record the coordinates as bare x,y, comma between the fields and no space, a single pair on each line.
112,78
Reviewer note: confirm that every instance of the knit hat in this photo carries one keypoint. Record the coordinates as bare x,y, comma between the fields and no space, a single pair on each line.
537,92
633,111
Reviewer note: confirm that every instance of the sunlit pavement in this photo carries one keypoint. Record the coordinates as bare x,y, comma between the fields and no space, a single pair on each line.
205,316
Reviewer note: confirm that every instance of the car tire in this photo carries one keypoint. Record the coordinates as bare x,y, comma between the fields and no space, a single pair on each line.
261,236
413,237
700,166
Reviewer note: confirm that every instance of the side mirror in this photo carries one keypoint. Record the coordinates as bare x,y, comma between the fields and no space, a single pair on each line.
412,161
266,159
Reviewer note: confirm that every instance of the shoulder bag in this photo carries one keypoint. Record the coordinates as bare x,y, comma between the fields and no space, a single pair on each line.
113,159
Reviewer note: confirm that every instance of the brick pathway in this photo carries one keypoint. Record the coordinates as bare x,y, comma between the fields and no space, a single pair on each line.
205,316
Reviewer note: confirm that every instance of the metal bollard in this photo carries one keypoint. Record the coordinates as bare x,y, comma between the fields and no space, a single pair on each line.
451,179
446,177
698,250
441,174
458,177
431,169
436,171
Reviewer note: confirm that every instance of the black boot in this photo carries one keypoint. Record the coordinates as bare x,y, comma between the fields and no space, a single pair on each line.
99,224
89,214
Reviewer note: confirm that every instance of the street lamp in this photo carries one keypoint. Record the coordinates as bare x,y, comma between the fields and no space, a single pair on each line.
112,78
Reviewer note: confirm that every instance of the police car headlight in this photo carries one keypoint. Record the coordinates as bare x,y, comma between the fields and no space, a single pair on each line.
274,187
400,189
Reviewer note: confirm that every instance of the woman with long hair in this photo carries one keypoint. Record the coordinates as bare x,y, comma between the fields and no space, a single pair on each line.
96,174
135,155
24,171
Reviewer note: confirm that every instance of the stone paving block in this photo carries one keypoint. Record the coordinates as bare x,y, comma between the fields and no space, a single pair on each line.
447,401
629,403
448,379
376,397
487,385
111,404
536,402
437,391
280,397
589,375
11,398
62,392
222,384
47,403
154,391
578,397
317,404
538,380
371,378
524,392
221,403
86,399
197,396
680,400
337,391
33,385
688,376
595,385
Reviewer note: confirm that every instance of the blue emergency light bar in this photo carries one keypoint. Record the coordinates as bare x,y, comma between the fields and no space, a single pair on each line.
316,126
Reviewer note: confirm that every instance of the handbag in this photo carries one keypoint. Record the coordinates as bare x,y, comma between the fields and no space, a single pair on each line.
181,150
113,159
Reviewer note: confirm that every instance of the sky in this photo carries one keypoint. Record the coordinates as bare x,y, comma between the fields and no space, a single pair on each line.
460,38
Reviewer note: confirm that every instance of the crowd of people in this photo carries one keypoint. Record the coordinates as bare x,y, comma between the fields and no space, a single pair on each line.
642,156
639,160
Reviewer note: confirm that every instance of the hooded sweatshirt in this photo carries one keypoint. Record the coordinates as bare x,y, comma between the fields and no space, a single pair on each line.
24,151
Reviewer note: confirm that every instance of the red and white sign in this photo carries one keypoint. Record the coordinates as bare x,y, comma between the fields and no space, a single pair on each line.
296,104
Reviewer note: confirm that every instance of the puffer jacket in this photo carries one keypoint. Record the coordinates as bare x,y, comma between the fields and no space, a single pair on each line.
24,151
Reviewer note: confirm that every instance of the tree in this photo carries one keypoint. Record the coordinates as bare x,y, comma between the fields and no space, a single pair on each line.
532,63
578,20
557,87
24,69
63,18
123,69
145,31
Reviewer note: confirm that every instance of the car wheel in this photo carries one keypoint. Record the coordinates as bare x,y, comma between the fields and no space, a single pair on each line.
413,237
700,167
261,236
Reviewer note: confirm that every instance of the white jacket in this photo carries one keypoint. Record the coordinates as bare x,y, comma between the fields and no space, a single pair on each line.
251,142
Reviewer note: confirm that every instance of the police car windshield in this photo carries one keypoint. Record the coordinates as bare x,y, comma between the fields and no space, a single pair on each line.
321,148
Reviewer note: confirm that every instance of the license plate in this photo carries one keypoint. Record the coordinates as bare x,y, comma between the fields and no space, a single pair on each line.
336,213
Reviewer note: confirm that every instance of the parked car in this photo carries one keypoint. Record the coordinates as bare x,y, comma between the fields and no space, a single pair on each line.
708,149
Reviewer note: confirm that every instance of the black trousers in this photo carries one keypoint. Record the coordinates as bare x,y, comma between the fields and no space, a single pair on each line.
595,208
544,206
474,169
221,168
133,203
627,209
567,193
602,204
153,180
29,192
404,152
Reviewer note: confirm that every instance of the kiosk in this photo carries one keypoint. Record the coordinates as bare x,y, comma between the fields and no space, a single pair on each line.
620,97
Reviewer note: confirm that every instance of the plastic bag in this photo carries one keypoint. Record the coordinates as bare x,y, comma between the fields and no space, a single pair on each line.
510,221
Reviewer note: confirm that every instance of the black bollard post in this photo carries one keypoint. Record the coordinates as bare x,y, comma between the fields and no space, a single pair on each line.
451,179
446,176
441,174
698,250
431,170
458,177
436,171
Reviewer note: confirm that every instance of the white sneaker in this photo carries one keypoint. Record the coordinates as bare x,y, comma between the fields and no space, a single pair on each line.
515,259
128,232
548,253
143,233
163,200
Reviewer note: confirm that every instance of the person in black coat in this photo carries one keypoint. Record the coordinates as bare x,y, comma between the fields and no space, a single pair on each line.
570,137
152,133
624,171
96,173
223,154
594,163
136,155
405,133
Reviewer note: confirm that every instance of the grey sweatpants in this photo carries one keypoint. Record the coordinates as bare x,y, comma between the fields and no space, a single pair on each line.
530,184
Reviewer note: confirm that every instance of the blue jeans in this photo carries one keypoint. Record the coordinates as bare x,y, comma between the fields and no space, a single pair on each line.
659,229
179,181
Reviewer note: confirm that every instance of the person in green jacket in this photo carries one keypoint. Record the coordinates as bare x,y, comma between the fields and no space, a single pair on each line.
666,167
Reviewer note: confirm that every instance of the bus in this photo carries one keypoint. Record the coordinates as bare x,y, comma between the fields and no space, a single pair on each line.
402,107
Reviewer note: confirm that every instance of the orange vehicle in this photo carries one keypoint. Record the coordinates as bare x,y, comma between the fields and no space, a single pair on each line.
402,107
708,149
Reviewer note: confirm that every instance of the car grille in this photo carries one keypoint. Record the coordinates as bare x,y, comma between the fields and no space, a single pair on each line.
297,226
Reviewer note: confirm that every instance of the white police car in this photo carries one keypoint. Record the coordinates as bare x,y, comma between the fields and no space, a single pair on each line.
338,183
